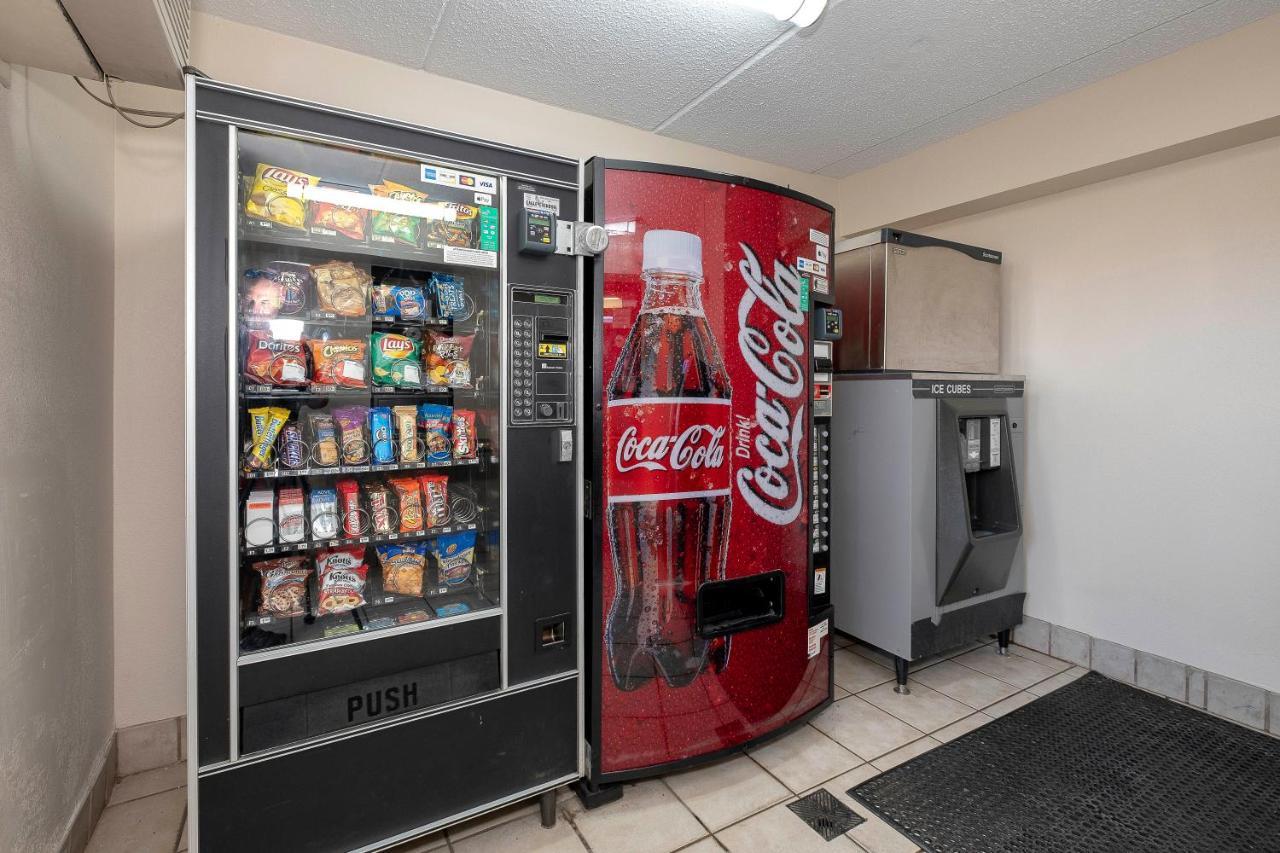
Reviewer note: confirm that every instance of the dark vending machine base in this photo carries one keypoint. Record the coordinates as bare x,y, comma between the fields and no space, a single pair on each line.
361,790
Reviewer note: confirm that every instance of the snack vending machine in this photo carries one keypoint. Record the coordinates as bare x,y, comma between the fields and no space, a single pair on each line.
385,478
707,630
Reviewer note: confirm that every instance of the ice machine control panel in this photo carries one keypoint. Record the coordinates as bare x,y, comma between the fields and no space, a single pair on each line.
540,335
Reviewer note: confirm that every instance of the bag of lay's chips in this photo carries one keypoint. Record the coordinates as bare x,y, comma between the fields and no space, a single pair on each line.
395,360
396,227
279,196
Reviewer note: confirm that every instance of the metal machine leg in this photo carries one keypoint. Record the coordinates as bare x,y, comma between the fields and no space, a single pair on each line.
1002,641
900,668
547,804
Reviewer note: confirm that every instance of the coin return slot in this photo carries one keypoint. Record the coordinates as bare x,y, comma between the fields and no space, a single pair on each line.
727,607
552,632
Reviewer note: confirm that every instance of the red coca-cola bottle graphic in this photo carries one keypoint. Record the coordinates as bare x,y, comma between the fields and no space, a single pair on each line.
666,440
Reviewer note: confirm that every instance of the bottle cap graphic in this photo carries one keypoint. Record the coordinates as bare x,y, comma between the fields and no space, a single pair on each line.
673,251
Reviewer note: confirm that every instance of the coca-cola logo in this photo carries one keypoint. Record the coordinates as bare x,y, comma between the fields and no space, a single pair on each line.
773,487
696,447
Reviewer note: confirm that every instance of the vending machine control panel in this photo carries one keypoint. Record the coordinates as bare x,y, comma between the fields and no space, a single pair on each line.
540,335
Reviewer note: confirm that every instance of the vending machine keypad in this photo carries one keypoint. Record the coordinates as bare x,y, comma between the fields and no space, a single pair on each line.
541,356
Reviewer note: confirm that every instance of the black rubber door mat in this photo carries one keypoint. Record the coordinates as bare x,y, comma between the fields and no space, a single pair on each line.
1093,766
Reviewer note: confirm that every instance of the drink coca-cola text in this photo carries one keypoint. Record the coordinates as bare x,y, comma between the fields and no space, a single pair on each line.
773,489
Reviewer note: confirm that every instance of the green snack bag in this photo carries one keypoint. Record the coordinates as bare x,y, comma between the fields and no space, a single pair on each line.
396,362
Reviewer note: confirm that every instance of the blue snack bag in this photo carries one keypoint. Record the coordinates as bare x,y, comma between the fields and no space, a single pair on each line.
436,423
455,554
380,434
447,290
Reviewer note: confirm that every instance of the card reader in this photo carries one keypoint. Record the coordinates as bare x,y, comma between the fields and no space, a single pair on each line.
537,232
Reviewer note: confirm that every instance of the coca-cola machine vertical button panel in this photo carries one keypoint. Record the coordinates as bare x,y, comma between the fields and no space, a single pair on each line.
541,369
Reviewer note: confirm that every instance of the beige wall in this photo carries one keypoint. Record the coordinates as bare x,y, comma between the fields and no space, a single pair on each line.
1145,312
55,460
1209,96
150,679
150,623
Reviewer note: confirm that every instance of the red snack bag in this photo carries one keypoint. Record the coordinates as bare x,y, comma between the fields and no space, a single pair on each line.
339,363
410,499
275,361
435,499
353,523
464,434
341,575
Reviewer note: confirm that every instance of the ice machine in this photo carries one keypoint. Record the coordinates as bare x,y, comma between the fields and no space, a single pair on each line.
913,302
928,551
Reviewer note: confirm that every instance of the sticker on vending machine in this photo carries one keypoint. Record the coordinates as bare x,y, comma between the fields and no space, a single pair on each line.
820,237
820,252
811,266
816,633
820,285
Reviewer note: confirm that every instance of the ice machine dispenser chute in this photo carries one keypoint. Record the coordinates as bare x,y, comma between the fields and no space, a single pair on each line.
979,523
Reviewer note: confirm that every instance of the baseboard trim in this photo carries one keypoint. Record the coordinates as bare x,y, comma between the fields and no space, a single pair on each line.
93,799
1237,701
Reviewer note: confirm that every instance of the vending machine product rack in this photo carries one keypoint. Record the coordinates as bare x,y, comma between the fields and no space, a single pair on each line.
384,485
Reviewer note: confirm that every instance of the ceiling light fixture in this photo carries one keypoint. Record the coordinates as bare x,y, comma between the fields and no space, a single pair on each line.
802,13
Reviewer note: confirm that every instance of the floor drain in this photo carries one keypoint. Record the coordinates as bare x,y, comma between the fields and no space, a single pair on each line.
825,815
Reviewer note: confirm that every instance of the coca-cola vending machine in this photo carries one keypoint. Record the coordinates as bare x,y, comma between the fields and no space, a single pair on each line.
707,600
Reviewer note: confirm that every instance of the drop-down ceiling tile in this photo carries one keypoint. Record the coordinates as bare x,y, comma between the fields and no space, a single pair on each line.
874,69
634,61
1206,22
392,30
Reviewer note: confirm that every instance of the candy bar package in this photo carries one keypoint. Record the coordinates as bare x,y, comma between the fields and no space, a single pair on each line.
324,513
395,360
399,302
435,421
455,554
278,197
284,587
336,220
379,508
409,617
338,363
351,438
380,435
396,227
292,452
403,567
464,434
340,576
447,292
292,523
353,523
262,451
342,288
324,439
409,497
406,418
435,499
269,360
449,359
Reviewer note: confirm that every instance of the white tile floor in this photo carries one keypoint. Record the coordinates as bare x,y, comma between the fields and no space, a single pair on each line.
736,804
